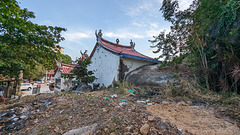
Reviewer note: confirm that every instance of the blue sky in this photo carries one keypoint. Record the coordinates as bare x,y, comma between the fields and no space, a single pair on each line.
138,20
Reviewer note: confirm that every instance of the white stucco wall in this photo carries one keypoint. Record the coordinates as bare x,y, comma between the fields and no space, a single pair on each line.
132,64
65,82
105,66
57,76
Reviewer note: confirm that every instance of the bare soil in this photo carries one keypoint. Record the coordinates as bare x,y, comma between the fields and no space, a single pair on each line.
91,113
199,120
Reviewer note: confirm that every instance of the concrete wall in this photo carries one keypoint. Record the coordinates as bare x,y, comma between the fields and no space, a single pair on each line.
132,64
105,66
57,76
65,83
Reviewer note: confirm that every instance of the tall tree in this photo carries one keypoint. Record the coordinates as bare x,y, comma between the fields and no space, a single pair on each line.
207,33
23,42
82,74
64,58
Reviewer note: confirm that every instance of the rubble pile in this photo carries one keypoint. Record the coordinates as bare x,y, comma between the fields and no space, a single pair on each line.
104,112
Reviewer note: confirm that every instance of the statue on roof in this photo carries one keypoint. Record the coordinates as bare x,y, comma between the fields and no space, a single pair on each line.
84,55
100,33
132,44
117,40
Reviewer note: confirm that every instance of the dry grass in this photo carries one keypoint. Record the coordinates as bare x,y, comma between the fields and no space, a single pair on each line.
123,87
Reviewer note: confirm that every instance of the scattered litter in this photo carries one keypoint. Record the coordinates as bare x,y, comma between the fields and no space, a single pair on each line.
107,98
131,91
49,103
36,120
61,111
22,117
163,101
124,100
141,102
122,103
149,103
180,129
156,103
114,96
147,100
130,127
15,119
14,115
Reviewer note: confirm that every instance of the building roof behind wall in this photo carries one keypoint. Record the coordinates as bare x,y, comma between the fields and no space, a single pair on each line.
65,68
50,72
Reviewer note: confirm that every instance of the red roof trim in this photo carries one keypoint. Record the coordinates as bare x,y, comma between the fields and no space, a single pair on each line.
123,51
65,68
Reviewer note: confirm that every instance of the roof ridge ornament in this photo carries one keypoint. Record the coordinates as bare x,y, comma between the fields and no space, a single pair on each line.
132,44
98,34
117,40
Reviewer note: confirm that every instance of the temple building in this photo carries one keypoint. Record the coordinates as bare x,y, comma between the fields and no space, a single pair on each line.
61,81
111,62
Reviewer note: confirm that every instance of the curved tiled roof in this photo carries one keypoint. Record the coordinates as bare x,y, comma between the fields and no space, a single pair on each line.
65,68
124,51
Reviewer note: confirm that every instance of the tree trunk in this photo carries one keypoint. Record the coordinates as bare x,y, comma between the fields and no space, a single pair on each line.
207,80
8,89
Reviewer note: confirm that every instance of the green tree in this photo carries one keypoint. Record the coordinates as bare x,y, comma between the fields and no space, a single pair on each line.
81,72
35,73
64,58
23,43
207,35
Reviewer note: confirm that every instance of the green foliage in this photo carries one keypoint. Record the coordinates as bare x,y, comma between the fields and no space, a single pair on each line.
24,44
205,33
229,14
64,58
81,72
35,73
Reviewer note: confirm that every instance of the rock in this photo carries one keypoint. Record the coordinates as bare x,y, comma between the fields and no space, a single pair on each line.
151,118
222,110
82,131
56,129
144,129
189,103
105,130
104,110
144,77
182,103
84,88
153,77
165,103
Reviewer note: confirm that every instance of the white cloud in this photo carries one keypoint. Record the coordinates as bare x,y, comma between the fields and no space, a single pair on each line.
184,4
154,25
77,36
139,24
122,35
142,7
156,32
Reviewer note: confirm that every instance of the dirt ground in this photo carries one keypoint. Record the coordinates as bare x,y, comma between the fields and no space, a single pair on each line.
101,113
198,120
